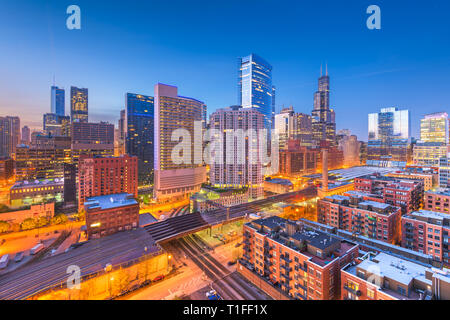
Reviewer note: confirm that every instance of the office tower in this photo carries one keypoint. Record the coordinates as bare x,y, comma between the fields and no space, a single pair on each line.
389,138
255,88
293,126
56,125
100,176
92,139
140,116
58,101
9,136
273,106
434,138
239,164
44,158
298,160
79,105
444,171
350,146
172,112
122,134
284,125
26,135
323,118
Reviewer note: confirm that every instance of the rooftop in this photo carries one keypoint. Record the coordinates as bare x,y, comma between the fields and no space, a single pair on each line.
426,214
110,201
285,182
441,192
37,183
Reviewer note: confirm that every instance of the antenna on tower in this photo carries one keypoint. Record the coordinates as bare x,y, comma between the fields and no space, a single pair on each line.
321,69
326,68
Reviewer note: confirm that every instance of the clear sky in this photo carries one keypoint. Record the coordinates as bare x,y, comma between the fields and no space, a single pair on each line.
128,46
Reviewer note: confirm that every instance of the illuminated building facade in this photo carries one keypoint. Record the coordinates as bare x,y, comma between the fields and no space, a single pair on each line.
241,166
293,126
300,262
438,200
353,213
255,88
350,147
174,112
26,193
298,160
79,104
92,139
58,101
6,170
56,125
389,138
140,122
44,158
26,135
444,171
427,232
109,214
99,176
9,136
323,118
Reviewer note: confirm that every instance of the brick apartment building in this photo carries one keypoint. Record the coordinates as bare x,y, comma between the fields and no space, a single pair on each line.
407,194
110,214
298,160
385,277
99,176
354,213
301,262
438,201
427,232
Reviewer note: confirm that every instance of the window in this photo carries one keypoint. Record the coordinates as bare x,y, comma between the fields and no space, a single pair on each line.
370,294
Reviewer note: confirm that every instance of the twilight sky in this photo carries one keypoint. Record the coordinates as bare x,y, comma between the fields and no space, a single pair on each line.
128,46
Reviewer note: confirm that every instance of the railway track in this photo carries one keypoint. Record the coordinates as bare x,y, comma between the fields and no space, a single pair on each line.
229,285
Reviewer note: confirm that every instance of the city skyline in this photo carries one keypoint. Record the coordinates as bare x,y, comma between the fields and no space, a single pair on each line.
396,71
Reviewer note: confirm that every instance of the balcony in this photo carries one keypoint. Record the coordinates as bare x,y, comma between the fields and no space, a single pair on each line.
286,258
300,286
353,291
287,268
286,276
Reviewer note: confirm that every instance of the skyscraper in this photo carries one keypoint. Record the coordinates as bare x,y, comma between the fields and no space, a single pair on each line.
140,116
239,164
323,118
92,139
58,101
255,88
26,135
389,137
172,112
56,125
9,136
79,104
296,126
122,133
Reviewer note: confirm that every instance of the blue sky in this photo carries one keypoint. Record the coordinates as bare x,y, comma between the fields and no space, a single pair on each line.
195,45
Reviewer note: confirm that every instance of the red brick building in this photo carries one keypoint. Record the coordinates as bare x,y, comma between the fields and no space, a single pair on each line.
110,214
438,201
98,176
353,213
301,262
427,232
407,194
385,277
298,160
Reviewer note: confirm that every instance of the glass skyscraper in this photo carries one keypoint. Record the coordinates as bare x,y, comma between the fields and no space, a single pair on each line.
79,104
140,119
389,137
255,88
57,101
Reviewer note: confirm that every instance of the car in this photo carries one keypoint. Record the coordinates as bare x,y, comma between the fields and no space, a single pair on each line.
231,263
213,295
158,278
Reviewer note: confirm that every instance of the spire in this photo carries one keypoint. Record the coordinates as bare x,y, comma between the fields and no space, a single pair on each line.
326,68
321,69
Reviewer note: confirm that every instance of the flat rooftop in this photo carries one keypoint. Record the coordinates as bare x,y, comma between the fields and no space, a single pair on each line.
284,182
426,214
110,201
37,183
394,268
441,192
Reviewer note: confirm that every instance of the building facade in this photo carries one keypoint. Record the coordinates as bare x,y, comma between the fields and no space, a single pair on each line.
238,163
57,99
92,139
174,112
99,176
255,89
110,214
140,127
9,136
389,138
79,104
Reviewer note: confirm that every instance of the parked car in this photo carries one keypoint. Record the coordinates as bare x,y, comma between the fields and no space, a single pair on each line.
213,295
158,278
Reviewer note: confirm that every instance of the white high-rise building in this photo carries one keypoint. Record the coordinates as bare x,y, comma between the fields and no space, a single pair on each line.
238,164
